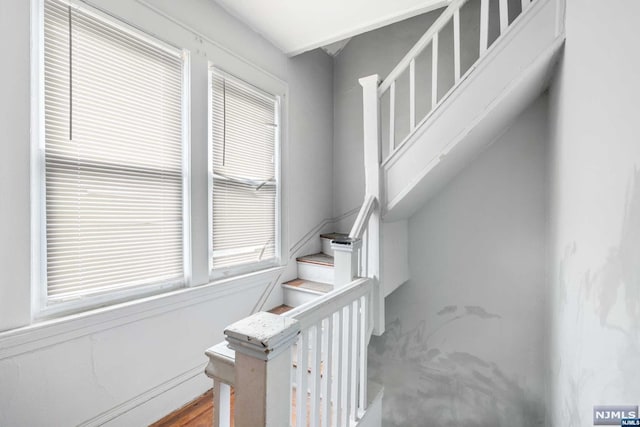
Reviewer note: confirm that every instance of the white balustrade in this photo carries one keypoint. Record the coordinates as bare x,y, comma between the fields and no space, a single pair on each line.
432,38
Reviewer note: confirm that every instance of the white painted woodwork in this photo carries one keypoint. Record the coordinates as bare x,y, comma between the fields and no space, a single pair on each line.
484,26
346,261
456,45
362,220
326,246
392,117
221,366
434,71
525,4
412,95
316,272
221,404
342,318
263,362
372,159
295,296
420,45
503,81
504,15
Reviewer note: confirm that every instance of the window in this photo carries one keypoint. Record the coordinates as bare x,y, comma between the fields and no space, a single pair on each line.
113,157
244,176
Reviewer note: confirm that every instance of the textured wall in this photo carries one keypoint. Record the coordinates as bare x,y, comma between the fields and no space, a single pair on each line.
596,212
466,339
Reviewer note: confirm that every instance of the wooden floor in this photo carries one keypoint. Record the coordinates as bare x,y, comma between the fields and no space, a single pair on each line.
198,413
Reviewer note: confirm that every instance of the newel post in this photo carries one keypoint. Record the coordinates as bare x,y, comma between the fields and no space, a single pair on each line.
373,187
345,260
262,343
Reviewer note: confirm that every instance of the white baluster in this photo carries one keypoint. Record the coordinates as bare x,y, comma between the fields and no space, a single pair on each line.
327,345
362,356
412,94
392,118
504,15
456,45
484,26
316,358
434,71
221,404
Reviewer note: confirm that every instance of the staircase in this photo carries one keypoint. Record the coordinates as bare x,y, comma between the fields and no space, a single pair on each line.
316,274
314,346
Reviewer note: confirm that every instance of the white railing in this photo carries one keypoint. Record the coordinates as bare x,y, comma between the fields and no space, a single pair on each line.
315,353
330,358
408,64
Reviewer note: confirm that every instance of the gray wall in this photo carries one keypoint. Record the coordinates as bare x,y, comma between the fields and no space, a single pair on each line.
595,112
370,53
378,52
465,341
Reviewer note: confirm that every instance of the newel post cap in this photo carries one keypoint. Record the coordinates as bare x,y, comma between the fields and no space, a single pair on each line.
262,335
346,245
372,80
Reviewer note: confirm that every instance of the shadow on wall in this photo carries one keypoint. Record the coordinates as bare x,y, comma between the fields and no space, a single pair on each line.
602,307
425,386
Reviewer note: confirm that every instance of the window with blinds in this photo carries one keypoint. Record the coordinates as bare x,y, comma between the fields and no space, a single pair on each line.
244,174
113,157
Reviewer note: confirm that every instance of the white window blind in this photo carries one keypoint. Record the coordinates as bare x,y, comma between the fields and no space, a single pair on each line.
244,132
113,156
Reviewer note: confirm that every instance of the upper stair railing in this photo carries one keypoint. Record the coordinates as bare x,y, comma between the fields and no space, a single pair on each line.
395,134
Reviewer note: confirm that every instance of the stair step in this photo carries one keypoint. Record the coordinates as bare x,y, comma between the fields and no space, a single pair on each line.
309,286
283,308
319,259
326,241
300,291
316,268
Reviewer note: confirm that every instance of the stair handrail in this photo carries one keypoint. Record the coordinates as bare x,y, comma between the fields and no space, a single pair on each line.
431,37
422,43
362,220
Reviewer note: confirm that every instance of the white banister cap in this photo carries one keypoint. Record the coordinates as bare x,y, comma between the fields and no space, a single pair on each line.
262,335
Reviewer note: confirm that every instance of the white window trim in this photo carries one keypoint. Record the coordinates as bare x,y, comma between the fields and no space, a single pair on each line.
39,302
217,274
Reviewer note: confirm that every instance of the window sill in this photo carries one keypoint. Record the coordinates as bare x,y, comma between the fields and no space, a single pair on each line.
50,332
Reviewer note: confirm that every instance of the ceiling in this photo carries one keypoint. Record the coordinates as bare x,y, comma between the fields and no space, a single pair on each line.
296,26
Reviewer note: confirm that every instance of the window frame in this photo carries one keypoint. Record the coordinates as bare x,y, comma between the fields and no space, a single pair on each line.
41,308
237,270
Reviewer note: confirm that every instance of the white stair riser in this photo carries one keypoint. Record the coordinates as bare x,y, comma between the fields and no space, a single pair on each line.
316,272
326,246
294,297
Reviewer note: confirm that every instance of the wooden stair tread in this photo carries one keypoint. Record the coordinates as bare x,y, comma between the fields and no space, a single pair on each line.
309,285
319,259
334,236
283,308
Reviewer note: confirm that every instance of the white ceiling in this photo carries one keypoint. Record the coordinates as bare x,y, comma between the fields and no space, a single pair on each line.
296,26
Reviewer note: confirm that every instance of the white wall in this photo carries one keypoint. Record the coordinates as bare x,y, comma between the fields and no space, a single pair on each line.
133,363
596,212
466,336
